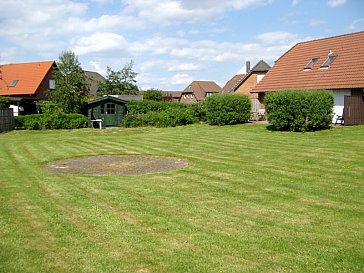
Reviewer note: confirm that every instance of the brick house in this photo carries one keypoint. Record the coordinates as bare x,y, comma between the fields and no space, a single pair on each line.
333,63
198,91
245,83
26,84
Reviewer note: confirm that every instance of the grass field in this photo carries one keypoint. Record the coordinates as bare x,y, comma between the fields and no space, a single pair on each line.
251,200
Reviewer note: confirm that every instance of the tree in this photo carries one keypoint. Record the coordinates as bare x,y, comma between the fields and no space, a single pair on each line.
120,82
153,94
4,102
71,88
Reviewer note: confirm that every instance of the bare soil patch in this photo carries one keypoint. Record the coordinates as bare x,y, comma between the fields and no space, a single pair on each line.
116,165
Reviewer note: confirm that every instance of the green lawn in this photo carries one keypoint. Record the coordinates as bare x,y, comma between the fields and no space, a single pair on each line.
252,200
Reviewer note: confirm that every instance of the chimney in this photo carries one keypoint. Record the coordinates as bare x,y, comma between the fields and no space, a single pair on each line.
247,67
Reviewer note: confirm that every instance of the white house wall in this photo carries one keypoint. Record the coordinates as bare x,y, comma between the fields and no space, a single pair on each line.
339,102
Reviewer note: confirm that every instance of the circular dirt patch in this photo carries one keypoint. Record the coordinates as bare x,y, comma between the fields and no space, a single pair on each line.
116,164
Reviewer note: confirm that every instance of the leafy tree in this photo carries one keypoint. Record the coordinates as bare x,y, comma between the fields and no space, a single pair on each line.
4,102
120,82
71,88
153,94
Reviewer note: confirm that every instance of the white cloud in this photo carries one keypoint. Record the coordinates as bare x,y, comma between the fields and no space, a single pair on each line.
157,45
356,24
97,67
317,22
100,43
275,38
181,79
184,67
335,3
295,2
174,11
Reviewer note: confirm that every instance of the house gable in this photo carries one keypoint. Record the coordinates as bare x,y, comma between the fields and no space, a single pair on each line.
232,83
250,80
198,90
29,80
298,69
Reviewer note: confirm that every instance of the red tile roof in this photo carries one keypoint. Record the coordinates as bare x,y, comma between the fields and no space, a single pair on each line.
28,75
346,71
232,83
200,88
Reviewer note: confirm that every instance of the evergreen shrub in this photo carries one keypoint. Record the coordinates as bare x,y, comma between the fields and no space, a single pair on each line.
48,121
167,118
299,110
227,109
145,106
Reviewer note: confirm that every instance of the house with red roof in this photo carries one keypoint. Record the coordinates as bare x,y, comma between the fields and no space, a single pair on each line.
198,91
334,63
230,84
243,84
26,83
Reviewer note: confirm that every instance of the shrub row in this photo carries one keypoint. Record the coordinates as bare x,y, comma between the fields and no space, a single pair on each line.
299,110
220,109
167,118
227,109
145,106
47,121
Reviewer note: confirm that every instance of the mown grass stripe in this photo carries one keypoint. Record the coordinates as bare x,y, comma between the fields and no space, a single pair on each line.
251,200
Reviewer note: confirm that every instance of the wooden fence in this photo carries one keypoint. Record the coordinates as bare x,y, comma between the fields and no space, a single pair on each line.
353,110
6,120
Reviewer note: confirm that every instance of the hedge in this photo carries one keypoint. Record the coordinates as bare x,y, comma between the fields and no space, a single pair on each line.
46,121
299,110
227,109
145,106
167,118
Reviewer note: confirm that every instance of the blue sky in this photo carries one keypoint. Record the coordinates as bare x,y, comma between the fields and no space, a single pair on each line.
172,42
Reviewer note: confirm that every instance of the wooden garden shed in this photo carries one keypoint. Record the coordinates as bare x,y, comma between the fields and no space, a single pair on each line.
110,110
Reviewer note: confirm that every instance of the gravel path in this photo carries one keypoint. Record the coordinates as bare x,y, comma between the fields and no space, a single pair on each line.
117,165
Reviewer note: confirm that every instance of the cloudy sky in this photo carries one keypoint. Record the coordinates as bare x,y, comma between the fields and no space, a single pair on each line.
172,42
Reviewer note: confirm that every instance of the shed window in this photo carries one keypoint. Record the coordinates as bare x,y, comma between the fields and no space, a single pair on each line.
110,108
310,65
13,83
328,61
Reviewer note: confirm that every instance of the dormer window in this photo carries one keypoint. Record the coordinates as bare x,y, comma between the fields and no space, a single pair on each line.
13,83
310,65
330,58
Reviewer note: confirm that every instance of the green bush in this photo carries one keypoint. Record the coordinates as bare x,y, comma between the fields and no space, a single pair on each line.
4,102
299,110
227,109
153,94
167,118
198,108
145,106
47,121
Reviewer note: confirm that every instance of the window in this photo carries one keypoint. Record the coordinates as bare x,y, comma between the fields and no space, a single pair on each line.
328,61
102,110
110,107
13,83
52,84
310,65
259,78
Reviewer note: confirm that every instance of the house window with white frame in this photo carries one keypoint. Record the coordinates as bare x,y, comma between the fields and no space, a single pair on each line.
52,84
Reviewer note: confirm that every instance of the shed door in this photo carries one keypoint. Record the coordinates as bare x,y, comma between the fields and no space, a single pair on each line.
109,114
